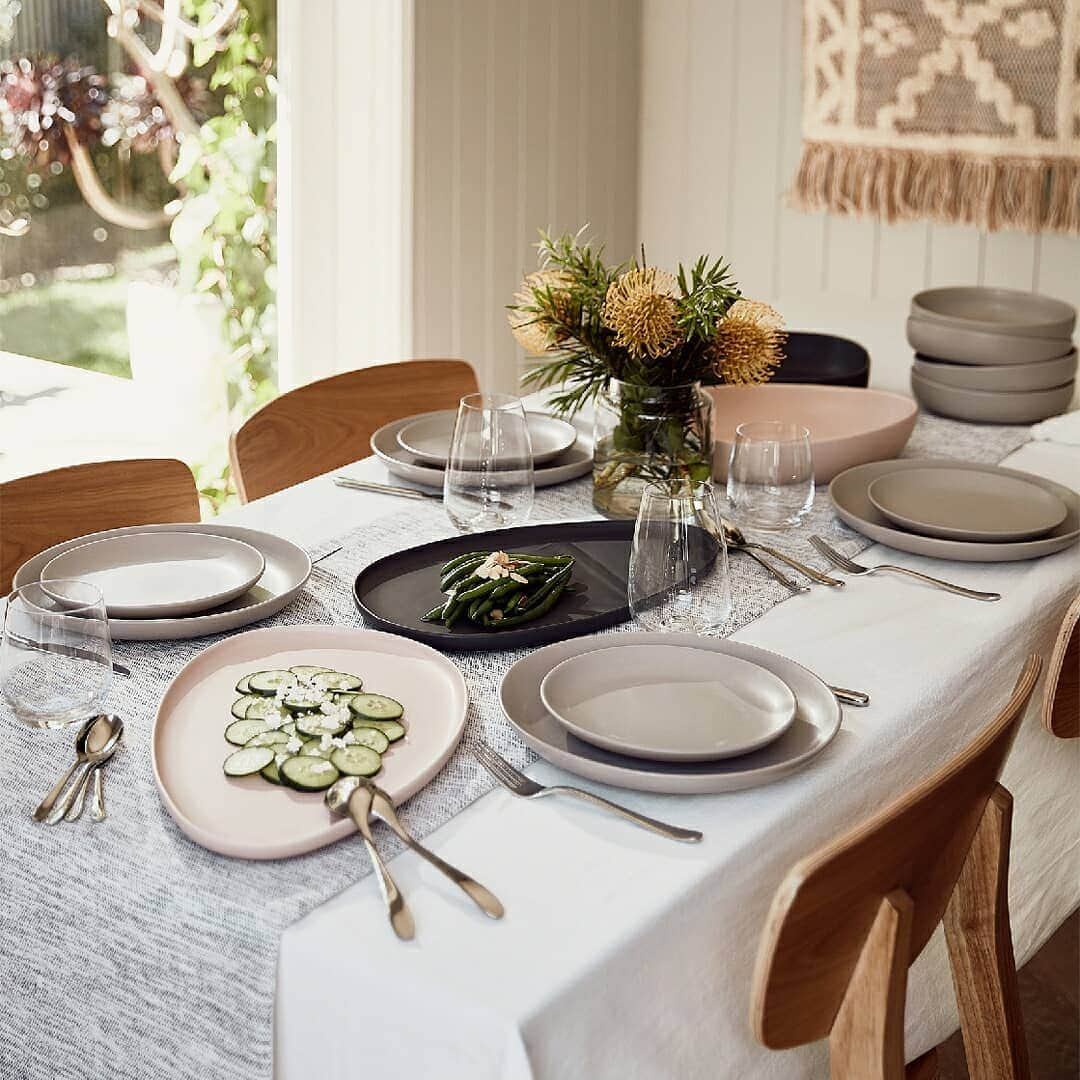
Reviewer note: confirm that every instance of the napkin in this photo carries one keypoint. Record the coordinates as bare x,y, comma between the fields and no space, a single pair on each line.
1060,429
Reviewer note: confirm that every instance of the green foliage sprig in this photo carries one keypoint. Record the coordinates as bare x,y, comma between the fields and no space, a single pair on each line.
560,313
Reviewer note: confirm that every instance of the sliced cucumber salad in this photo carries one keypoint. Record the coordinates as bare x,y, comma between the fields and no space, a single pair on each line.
305,726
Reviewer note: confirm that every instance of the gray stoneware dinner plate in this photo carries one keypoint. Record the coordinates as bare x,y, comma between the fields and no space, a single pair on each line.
159,575
287,569
575,462
817,720
723,706
967,504
965,346
991,310
851,500
428,437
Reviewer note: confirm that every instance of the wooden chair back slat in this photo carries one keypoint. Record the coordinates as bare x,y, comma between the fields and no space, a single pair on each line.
46,508
827,905
329,423
1061,697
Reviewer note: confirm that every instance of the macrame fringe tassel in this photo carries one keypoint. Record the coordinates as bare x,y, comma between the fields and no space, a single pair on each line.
904,185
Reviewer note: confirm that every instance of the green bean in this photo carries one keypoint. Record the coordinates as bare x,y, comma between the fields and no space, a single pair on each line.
459,559
529,613
504,596
459,573
544,560
559,580
434,615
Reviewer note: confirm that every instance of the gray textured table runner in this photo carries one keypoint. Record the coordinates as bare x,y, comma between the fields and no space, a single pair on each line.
127,951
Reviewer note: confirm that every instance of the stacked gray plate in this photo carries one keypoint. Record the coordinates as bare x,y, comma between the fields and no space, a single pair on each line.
992,355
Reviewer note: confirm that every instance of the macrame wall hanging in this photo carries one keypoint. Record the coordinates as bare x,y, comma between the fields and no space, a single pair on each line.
943,109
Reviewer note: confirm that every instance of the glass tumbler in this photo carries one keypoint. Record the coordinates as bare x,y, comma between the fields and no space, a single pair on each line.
678,577
56,653
488,482
770,482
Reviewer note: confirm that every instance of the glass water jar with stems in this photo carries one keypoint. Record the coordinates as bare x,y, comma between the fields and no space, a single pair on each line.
647,434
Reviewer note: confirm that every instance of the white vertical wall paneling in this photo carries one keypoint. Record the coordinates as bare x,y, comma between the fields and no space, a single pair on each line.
518,127
827,273
757,185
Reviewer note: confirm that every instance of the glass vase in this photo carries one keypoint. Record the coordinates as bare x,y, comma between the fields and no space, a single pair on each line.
644,434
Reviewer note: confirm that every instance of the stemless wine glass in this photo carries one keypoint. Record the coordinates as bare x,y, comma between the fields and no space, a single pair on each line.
56,653
770,483
489,476
678,565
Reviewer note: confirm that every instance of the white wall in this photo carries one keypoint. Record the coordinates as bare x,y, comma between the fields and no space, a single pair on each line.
719,146
525,117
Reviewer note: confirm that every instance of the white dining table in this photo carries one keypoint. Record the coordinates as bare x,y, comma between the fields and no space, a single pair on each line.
625,955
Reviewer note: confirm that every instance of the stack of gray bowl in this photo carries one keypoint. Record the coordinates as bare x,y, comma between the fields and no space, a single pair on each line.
992,355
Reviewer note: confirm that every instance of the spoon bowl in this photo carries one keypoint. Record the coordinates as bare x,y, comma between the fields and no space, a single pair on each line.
96,741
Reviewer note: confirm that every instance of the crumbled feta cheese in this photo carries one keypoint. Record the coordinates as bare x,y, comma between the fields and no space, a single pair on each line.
279,758
294,745
348,738
274,722
325,742
339,743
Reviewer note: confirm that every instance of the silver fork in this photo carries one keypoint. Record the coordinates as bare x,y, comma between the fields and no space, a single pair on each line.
845,564
519,784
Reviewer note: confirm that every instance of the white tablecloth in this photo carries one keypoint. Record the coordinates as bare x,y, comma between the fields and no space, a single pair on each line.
624,955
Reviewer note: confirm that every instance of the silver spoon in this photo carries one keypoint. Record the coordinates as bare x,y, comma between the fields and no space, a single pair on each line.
72,807
346,796
105,730
98,811
483,898
736,538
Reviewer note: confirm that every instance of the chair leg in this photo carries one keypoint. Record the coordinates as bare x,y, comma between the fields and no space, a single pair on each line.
979,938
867,1037
924,1068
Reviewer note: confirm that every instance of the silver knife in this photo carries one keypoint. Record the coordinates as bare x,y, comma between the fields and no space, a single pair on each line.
412,493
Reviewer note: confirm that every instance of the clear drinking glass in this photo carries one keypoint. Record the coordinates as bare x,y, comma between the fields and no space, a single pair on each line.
770,483
678,565
489,476
56,653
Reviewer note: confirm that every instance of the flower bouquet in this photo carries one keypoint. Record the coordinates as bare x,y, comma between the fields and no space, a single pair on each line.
639,343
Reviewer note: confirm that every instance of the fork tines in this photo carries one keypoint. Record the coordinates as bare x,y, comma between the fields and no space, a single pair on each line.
499,767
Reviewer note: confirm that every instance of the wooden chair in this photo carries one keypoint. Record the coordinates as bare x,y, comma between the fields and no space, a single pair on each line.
329,423
41,510
1061,697
848,920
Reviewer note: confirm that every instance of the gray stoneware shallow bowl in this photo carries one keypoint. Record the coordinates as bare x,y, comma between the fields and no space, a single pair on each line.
964,346
1045,375
991,407
996,311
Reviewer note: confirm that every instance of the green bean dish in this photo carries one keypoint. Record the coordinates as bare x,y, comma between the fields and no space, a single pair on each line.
498,590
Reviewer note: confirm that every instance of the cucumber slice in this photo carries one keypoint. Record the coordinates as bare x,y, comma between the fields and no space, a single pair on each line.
267,682
240,705
263,708
242,686
317,723
376,707
337,680
303,699
356,761
306,671
268,738
240,732
251,759
271,773
313,748
307,773
390,728
289,728
372,738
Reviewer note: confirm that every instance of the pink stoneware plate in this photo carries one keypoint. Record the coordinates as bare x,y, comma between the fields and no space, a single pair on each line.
848,425
249,818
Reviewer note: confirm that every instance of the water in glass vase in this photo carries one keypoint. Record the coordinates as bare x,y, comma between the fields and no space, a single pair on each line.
643,434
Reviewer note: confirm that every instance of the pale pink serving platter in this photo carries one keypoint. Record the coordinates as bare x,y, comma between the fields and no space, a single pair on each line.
249,818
